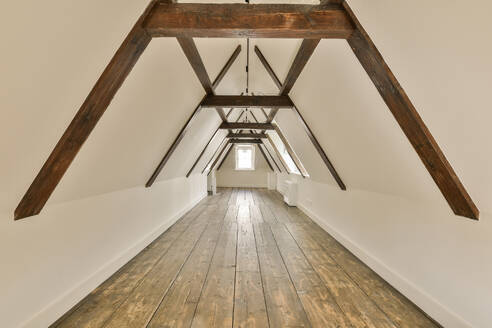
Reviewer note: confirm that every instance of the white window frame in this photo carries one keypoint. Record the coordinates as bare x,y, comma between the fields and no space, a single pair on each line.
247,147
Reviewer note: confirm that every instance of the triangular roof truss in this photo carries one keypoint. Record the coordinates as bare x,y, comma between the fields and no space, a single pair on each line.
164,18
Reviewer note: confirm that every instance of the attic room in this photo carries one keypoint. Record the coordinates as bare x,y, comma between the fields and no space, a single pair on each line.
246,164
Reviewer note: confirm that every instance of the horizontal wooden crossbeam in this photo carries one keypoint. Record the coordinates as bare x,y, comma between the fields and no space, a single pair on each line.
247,126
247,135
248,20
246,141
247,101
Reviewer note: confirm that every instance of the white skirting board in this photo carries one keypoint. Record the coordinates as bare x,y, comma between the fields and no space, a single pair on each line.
423,300
57,308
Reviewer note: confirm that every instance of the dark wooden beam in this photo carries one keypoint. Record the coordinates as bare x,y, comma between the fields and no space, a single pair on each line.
247,135
320,150
282,161
247,101
225,157
268,68
85,120
410,121
215,153
202,152
263,132
191,52
265,157
247,126
221,113
219,156
291,152
173,147
306,127
305,52
210,160
249,21
245,141
227,66
272,158
197,65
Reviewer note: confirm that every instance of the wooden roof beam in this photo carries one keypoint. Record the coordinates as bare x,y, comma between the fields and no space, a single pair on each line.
247,135
194,57
247,101
248,21
304,124
245,141
247,126
410,122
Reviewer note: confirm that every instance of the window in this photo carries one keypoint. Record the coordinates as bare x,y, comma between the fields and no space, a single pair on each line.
245,157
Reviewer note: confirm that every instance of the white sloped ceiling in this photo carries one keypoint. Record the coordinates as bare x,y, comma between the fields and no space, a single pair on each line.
444,67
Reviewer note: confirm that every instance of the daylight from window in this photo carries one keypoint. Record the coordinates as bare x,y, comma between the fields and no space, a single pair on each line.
245,157
285,154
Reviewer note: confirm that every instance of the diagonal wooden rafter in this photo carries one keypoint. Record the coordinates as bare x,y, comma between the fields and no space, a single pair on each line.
304,124
307,48
291,152
329,20
85,120
196,66
265,156
264,132
279,155
225,157
227,144
259,144
410,121
213,155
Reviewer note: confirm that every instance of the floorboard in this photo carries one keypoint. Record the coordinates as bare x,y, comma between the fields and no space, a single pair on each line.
242,258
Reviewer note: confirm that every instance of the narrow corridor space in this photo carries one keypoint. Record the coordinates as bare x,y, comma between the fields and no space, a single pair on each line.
242,258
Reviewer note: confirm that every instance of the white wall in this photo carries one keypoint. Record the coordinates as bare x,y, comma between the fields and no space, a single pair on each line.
440,261
393,216
52,261
100,215
228,176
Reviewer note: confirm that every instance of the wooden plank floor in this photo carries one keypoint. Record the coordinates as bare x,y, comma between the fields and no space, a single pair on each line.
243,258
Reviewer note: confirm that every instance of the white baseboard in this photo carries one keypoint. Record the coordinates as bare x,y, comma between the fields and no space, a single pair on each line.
65,302
423,300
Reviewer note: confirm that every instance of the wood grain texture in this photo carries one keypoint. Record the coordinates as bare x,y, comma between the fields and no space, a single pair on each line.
319,149
247,135
247,126
173,147
247,101
306,50
85,120
196,62
304,124
410,122
216,305
242,258
249,20
191,52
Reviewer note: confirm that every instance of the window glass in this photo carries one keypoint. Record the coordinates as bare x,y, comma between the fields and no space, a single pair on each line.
245,157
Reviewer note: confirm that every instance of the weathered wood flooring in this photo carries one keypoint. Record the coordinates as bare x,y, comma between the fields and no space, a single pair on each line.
243,258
